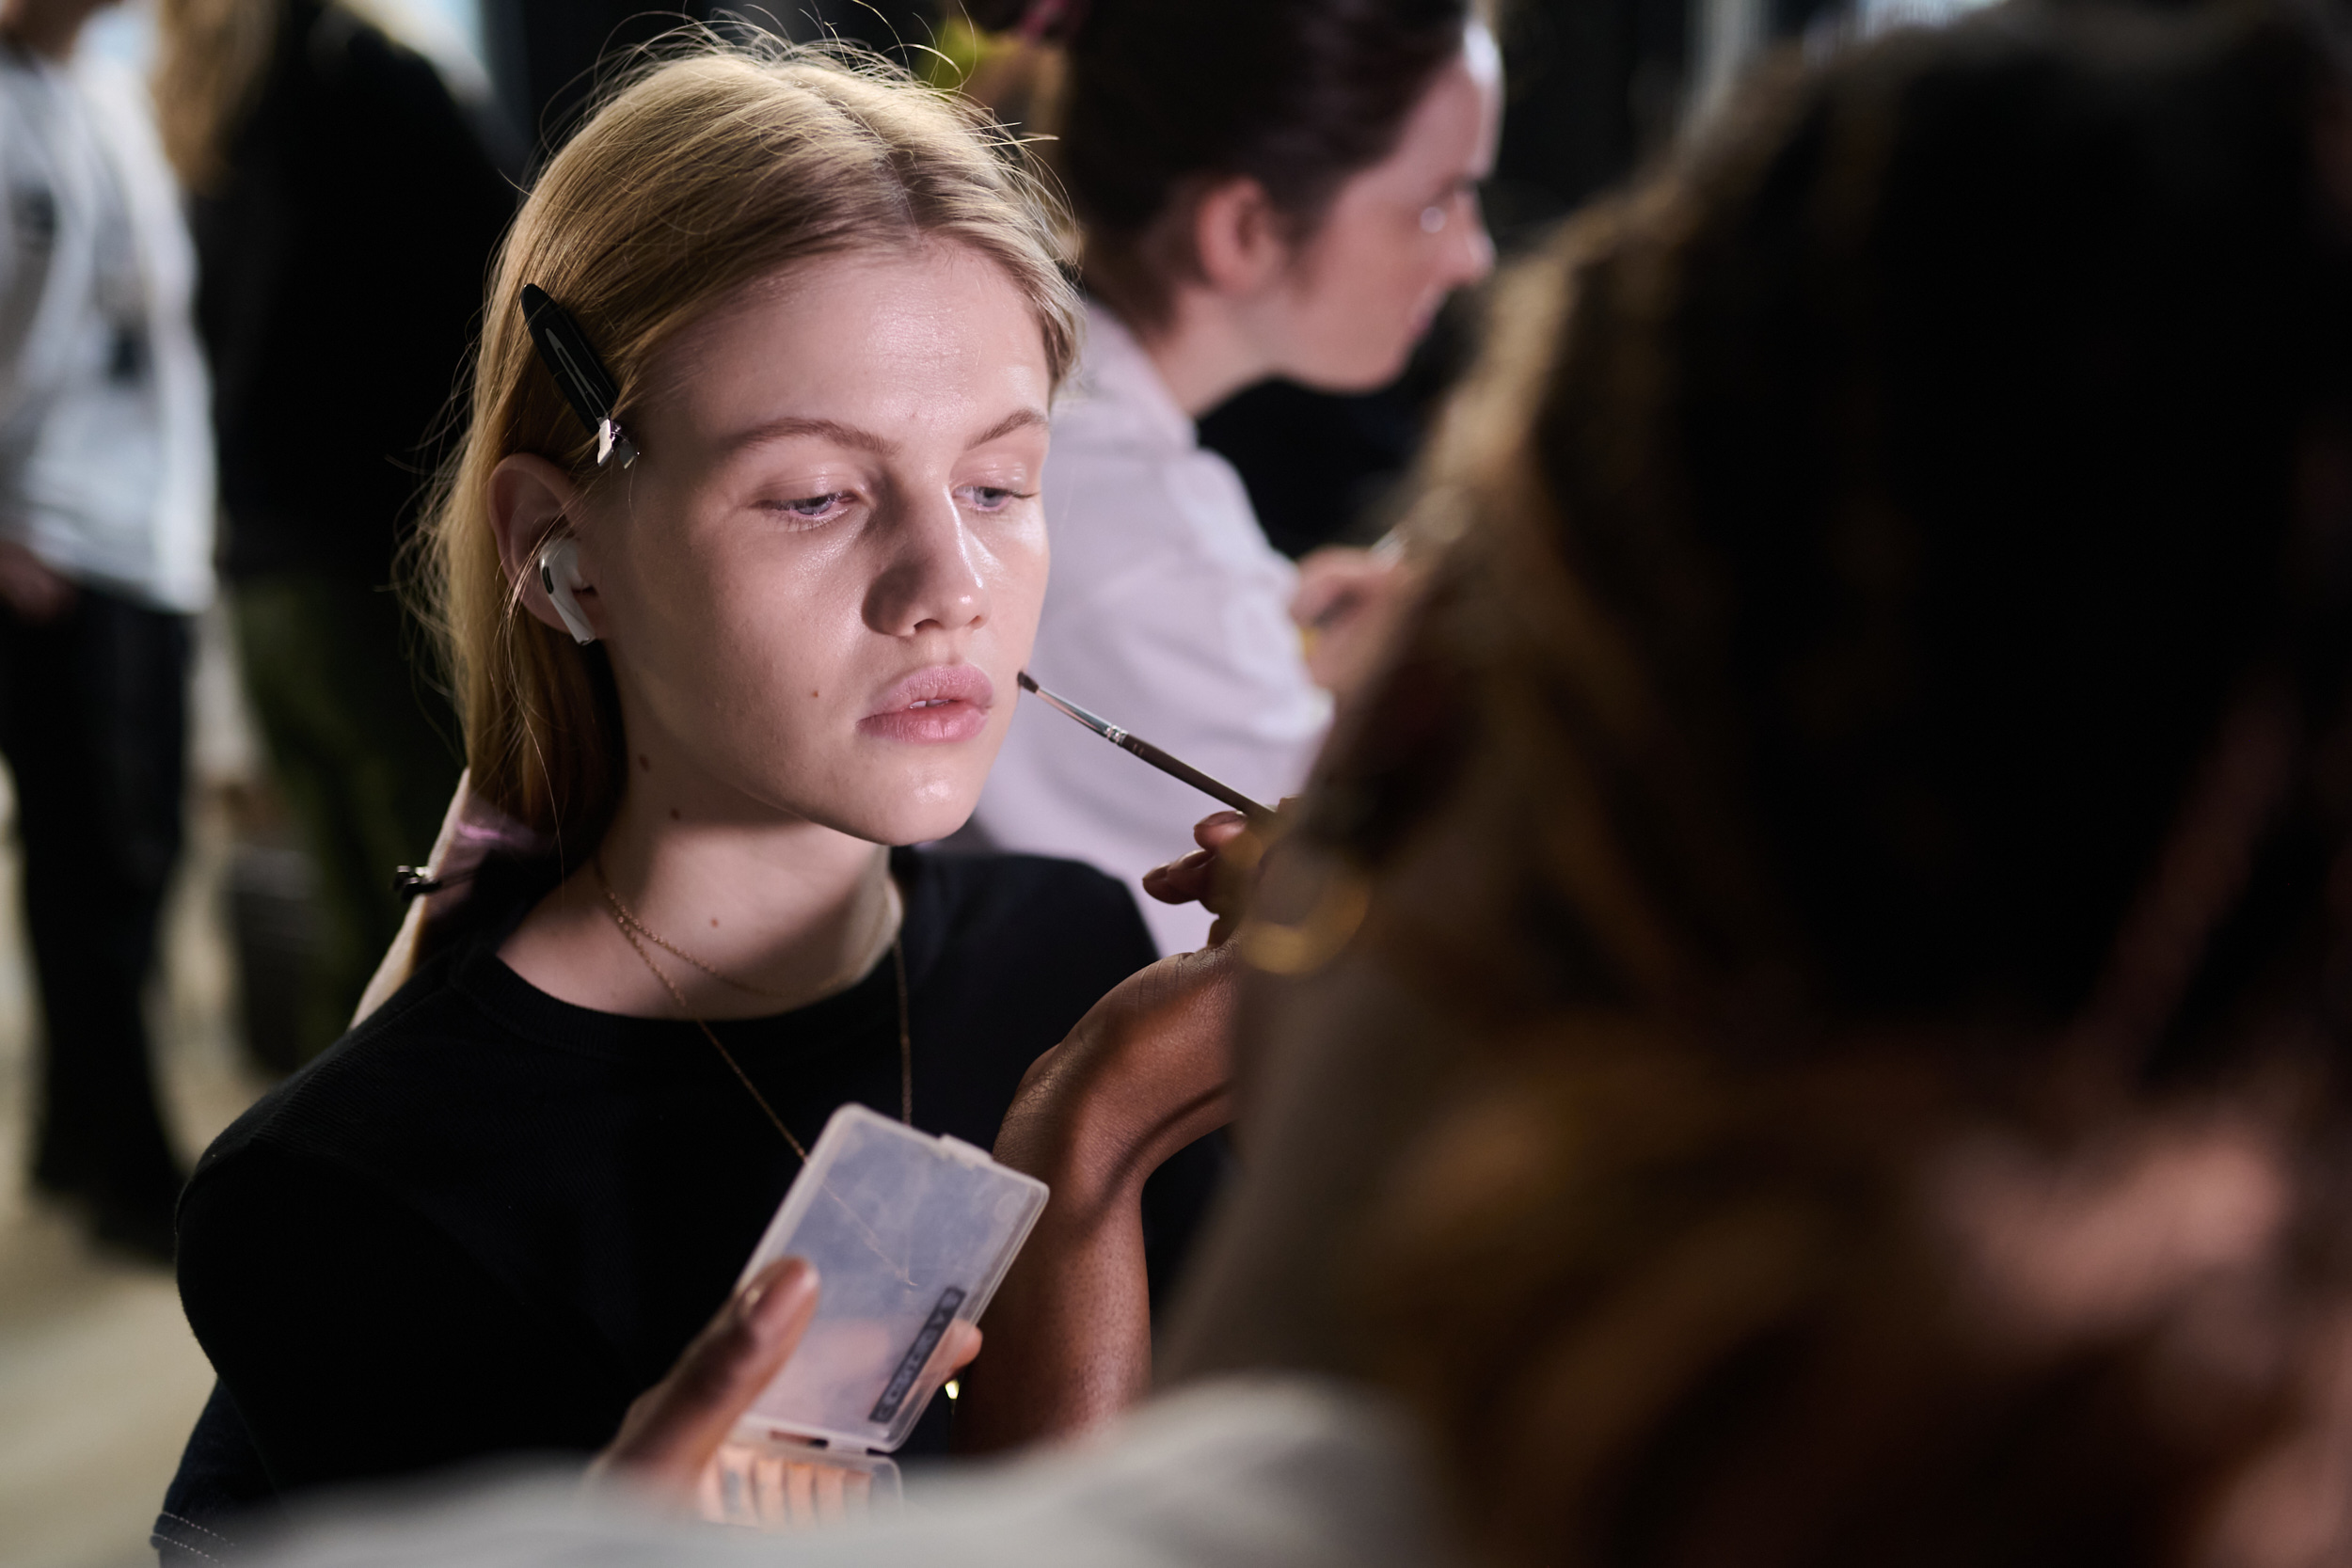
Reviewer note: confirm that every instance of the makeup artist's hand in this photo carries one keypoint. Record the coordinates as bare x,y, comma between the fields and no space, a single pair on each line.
1346,602
676,1432
1200,877
1146,1072
673,1428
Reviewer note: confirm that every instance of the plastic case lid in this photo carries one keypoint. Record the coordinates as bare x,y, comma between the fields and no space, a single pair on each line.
908,1233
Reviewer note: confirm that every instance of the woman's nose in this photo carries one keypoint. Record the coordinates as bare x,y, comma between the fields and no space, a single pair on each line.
1474,253
930,573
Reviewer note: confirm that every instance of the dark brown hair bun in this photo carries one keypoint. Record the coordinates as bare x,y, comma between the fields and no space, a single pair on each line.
1165,97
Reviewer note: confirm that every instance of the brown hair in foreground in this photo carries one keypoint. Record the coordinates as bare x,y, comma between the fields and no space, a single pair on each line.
1870,766
708,167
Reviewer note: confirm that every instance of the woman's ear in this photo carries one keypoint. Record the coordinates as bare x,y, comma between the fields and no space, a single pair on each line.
532,501
1238,237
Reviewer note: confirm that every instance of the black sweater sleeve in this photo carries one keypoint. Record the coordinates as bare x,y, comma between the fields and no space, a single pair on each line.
360,1342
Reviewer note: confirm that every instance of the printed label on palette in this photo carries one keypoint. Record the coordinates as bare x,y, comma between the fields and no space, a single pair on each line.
911,1365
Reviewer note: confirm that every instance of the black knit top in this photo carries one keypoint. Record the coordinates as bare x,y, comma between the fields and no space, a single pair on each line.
485,1220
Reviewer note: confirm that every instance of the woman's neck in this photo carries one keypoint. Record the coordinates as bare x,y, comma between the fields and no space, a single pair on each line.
743,919
1204,351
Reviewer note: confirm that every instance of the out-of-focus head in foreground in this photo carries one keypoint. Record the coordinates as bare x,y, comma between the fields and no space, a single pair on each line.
1887,607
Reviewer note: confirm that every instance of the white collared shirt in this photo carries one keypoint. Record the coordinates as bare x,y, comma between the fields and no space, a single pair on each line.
106,437
1166,613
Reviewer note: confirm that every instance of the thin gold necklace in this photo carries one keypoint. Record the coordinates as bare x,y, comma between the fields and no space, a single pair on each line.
638,933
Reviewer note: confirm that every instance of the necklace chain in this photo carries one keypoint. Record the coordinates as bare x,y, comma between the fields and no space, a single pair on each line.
637,933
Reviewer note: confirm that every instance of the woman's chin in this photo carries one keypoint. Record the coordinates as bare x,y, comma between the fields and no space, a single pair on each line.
927,816
1356,371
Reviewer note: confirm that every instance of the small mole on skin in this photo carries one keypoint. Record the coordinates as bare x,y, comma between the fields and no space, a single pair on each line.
645,761
674,814
812,691
714,925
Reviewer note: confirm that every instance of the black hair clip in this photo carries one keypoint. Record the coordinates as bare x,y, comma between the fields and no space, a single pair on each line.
586,385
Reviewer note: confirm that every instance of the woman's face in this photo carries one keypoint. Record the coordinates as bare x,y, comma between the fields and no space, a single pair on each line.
1399,237
819,579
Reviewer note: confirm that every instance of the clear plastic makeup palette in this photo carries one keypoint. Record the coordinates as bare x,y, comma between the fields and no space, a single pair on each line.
909,1234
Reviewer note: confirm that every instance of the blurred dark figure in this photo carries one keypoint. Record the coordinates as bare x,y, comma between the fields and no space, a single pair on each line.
546,55
345,209
105,545
1851,855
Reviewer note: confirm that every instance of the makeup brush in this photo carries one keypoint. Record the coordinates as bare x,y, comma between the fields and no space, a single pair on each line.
1153,754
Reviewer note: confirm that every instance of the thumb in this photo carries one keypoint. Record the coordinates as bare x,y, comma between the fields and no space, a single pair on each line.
675,1427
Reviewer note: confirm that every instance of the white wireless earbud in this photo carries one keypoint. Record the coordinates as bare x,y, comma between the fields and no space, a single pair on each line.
559,575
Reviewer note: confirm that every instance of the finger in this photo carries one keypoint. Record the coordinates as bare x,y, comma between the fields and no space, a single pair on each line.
1337,608
1183,882
954,1351
1308,603
677,1426
1219,829
1193,879
1324,576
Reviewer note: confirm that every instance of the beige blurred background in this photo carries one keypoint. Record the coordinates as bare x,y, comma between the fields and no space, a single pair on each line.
100,1379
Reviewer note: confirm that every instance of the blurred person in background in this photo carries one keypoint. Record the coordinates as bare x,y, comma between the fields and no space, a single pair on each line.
1802,1022
345,211
106,552
1286,187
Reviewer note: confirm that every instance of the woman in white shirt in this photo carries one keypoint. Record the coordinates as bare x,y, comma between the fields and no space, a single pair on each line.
106,555
1280,187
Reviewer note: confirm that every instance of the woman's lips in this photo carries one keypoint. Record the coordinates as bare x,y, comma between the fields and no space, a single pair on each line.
946,703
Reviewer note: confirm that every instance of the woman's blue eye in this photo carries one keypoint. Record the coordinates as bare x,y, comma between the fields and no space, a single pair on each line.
992,498
812,506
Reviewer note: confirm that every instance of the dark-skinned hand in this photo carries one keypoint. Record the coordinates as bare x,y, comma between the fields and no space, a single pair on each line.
674,1439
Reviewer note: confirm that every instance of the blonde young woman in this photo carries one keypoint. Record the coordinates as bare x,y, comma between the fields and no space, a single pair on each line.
706,681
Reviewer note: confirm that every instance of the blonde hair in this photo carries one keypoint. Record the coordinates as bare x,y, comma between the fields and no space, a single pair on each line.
701,173
211,58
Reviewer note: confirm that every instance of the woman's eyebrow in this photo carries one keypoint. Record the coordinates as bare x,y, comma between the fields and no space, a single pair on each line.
865,440
1020,419
831,430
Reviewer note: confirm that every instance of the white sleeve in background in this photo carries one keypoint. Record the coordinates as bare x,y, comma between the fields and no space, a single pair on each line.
150,536
105,423
1169,614
177,570
45,256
